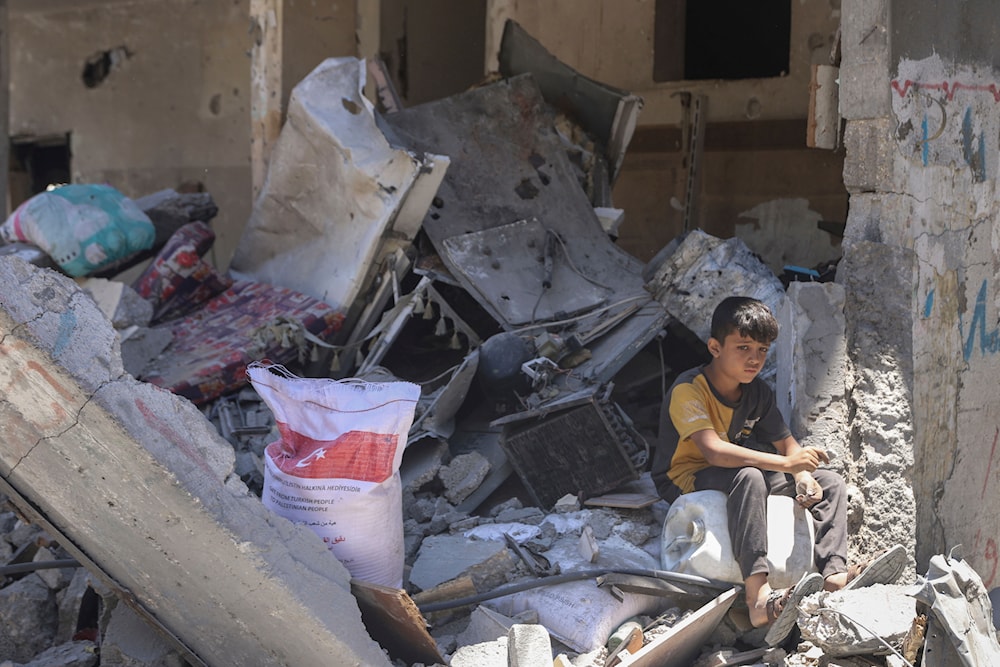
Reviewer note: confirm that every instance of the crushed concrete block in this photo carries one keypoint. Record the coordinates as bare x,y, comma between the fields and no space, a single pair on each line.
141,345
7,522
63,320
422,510
633,532
531,516
130,642
444,518
509,504
421,462
70,654
463,476
56,579
68,601
485,625
487,654
121,304
603,523
566,504
413,535
886,610
529,646
446,557
589,548
462,525
28,618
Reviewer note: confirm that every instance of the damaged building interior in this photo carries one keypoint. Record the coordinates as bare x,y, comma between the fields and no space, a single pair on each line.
337,333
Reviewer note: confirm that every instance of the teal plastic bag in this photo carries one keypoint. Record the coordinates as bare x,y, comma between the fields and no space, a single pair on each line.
83,227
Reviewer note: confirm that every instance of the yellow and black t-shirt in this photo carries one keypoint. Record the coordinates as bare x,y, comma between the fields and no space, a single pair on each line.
693,405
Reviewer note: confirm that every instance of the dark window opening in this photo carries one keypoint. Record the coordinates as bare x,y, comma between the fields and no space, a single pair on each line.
35,164
721,39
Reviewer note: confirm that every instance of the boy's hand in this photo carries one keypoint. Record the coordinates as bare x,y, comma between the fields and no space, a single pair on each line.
807,459
808,492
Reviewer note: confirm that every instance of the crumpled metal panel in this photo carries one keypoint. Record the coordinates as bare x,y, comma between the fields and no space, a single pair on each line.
338,198
962,610
506,266
508,165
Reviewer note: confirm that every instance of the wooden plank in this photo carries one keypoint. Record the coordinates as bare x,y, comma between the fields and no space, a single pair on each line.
632,501
682,644
393,620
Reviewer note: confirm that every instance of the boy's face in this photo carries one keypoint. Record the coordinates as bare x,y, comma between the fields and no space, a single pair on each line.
738,357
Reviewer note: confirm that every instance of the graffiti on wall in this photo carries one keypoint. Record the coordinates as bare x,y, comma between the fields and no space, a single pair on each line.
948,121
988,339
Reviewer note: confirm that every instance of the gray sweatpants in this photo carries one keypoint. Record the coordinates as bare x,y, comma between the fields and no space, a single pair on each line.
748,489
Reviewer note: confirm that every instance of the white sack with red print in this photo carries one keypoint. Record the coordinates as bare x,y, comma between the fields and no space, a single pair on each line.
335,467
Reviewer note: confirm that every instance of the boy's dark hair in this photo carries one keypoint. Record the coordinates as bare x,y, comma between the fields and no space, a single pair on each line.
749,317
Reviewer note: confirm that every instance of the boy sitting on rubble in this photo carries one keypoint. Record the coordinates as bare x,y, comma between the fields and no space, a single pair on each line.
711,421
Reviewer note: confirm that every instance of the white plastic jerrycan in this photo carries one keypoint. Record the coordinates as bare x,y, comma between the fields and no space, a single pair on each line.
695,539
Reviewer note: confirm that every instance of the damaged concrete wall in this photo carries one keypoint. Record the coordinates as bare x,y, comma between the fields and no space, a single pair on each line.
139,486
170,100
922,250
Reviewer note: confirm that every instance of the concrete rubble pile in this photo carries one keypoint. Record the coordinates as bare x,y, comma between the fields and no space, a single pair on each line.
467,247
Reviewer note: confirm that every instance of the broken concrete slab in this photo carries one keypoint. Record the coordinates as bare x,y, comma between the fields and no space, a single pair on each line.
446,557
422,460
138,486
843,623
28,620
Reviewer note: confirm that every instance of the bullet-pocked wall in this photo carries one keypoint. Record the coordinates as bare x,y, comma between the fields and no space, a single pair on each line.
923,155
755,178
155,93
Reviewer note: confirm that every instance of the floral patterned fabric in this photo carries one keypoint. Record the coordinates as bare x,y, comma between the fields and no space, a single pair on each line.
240,323
179,280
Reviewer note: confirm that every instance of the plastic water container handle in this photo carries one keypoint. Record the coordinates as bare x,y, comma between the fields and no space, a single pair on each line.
696,535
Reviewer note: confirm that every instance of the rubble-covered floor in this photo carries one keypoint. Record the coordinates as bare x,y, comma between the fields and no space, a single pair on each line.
484,271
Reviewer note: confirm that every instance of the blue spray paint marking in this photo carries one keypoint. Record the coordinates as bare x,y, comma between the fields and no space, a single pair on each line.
929,304
925,148
976,159
67,323
989,342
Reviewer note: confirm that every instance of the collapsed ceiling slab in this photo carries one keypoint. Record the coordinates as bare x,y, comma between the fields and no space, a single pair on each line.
139,486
